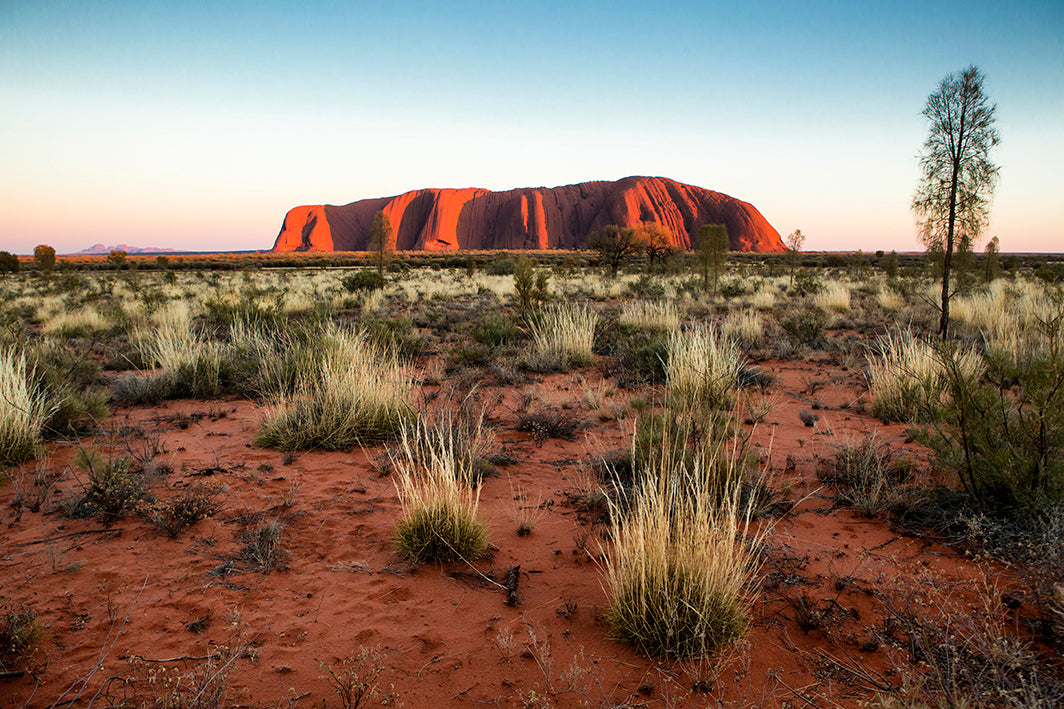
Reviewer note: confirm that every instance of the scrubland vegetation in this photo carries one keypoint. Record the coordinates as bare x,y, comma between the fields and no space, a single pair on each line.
436,369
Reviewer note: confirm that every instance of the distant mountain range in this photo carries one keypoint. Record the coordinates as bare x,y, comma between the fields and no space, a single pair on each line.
97,249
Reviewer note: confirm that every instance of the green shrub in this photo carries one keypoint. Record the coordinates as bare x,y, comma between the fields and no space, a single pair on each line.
501,265
648,287
359,281
640,353
530,286
804,327
495,330
1003,434
68,379
399,335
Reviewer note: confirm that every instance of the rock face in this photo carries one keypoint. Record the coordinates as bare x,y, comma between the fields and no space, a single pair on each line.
527,218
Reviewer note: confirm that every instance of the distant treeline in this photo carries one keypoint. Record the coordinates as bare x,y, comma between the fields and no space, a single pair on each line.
1048,266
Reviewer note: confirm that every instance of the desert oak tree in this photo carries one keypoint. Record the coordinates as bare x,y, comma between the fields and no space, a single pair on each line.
794,248
381,240
957,178
712,252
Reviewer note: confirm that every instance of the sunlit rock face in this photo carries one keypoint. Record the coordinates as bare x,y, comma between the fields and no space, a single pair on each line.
527,218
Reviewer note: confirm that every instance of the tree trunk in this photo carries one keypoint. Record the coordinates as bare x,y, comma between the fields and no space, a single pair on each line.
947,254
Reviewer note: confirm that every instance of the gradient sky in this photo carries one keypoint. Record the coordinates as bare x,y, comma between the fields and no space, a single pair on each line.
185,125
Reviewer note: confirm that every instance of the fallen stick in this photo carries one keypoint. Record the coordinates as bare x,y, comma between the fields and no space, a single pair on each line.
68,535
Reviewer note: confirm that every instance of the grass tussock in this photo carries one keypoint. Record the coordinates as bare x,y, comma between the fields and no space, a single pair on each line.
746,328
834,297
23,410
702,371
662,316
908,381
439,521
463,433
680,568
563,338
358,393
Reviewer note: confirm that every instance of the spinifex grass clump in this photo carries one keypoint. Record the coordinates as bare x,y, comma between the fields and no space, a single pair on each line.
834,297
23,410
563,337
192,364
358,393
662,316
908,381
463,434
702,371
680,569
439,520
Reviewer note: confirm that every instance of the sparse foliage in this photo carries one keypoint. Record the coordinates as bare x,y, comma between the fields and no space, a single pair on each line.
656,241
530,286
794,242
712,252
381,241
615,246
952,201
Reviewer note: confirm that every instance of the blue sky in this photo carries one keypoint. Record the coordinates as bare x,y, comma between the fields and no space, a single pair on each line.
189,126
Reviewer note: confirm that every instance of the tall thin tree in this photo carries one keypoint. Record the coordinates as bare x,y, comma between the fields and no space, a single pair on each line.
381,240
952,201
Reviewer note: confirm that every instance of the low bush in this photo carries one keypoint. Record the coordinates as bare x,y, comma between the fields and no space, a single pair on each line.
113,488
1003,435
262,549
550,423
365,280
19,632
398,335
804,327
174,516
863,470
495,330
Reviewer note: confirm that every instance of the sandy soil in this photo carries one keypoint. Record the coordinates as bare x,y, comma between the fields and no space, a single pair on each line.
123,606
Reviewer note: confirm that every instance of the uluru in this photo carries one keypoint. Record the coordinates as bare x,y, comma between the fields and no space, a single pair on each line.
527,218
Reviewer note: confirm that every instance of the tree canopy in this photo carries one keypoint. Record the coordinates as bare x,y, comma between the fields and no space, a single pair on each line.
957,177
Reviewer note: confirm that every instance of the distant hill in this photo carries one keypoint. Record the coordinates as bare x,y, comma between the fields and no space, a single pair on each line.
528,218
97,249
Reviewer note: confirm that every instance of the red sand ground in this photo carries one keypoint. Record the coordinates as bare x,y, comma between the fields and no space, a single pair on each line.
123,596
